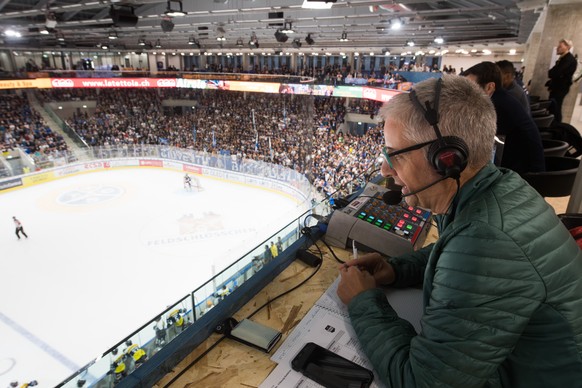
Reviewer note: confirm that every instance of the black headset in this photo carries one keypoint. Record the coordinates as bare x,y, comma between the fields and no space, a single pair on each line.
448,154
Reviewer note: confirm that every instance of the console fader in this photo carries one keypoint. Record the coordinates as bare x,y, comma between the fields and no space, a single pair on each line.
389,229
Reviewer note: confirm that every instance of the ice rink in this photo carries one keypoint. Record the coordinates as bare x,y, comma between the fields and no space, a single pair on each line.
109,250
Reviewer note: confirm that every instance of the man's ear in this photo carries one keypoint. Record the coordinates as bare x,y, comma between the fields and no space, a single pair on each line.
489,88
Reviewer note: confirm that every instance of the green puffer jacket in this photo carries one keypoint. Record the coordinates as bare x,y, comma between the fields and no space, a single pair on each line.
502,297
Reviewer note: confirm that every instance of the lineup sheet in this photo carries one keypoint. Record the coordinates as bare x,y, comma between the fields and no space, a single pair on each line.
327,324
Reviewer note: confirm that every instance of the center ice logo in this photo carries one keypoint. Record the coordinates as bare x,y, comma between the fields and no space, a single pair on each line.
88,195
191,228
208,222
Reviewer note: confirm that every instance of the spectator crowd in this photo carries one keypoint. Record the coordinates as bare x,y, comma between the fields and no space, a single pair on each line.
21,126
299,132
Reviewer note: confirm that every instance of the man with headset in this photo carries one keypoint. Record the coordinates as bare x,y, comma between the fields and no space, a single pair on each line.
502,285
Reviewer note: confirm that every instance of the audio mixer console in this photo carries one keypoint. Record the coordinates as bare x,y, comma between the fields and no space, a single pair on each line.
388,229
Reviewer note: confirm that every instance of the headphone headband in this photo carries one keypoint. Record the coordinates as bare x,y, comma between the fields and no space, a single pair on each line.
431,115
448,155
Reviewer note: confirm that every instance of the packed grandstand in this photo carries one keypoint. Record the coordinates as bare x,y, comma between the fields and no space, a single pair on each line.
299,132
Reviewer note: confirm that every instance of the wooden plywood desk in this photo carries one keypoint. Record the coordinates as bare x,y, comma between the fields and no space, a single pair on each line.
232,364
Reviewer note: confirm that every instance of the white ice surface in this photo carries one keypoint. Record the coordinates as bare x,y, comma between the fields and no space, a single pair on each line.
109,250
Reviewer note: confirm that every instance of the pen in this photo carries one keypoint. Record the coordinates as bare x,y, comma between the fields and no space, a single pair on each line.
354,249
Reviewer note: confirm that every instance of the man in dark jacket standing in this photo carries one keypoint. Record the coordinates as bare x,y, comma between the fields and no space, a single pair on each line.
560,76
502,285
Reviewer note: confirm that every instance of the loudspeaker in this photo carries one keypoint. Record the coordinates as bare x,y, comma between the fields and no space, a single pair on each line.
167,24
448,154
281,37
123,17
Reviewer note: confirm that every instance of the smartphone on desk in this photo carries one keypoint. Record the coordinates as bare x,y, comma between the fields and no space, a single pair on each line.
329,369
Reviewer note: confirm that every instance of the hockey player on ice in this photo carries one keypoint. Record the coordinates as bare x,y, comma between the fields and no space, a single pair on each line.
187,182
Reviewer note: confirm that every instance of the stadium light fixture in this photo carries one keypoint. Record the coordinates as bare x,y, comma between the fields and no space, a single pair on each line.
253,42
173,12
288,28
395,24
12,33
194,42
51,20
317,4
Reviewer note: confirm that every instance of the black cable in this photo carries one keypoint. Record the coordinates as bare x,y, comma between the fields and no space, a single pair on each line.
333,253
317,217
307,232
249,316
364,174
371,173
253,313
194,362
286,292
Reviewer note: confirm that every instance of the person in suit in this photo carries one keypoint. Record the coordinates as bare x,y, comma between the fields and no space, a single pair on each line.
560,76
523,151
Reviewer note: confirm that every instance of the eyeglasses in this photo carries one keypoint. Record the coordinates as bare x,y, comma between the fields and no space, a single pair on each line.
387,155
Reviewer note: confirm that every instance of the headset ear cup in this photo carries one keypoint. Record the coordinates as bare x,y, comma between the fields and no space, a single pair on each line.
448,156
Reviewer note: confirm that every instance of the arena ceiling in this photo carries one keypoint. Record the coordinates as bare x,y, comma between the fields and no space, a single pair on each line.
366,24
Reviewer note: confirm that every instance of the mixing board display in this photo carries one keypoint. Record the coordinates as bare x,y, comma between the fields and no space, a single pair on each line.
370,222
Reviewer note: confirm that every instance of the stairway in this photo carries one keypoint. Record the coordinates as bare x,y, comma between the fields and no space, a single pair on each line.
16,166
53,125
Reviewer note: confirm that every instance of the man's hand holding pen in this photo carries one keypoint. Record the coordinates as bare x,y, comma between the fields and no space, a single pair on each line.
366,272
